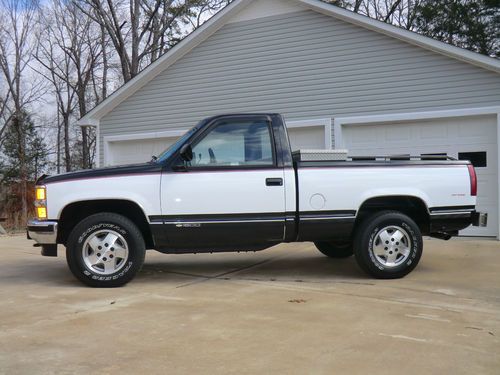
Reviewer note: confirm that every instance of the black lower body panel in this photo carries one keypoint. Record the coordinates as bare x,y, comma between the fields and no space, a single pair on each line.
218,233
324,226
215,249
448,223
324,230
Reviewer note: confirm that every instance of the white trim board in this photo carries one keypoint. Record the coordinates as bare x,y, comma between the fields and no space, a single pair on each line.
98,147
152,135
232,10
498,156
324,122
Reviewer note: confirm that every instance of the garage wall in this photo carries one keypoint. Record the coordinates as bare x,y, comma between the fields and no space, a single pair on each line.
304,65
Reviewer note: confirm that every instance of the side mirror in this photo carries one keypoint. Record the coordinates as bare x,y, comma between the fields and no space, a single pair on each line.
186,152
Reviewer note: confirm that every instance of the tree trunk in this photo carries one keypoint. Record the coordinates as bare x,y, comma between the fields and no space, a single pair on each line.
82,106
17,123
67,153
104,93
85,149
58,143
134,17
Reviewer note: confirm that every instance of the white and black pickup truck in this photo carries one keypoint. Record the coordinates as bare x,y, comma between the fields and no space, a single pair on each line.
232,184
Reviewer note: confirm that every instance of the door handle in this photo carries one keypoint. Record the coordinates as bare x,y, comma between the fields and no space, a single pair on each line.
274,181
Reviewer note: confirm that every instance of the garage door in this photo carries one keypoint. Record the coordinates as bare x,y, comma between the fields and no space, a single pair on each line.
136,151
468,138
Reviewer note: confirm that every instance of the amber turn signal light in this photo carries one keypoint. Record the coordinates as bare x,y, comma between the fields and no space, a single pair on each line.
40,193
41,212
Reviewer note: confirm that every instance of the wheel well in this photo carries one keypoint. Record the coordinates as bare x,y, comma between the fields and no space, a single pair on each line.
73,213
413,207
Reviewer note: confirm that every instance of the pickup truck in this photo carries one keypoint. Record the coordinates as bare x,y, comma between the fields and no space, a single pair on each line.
232,184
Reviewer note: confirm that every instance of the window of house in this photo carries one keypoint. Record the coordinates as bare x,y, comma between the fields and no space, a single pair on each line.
478,159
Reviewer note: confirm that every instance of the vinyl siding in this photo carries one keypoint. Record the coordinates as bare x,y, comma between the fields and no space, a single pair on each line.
304,65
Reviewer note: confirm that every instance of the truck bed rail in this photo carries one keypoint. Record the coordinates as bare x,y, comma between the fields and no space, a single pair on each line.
401,157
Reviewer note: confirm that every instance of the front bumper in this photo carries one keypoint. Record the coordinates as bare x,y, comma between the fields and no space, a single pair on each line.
44,232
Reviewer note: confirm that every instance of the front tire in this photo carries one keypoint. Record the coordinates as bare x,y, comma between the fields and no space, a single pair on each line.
337,250
105,250
388,245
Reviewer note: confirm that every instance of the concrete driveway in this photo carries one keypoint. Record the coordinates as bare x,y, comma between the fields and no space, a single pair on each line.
288,310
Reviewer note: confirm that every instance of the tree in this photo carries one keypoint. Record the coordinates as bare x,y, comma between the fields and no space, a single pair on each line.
71,58
474,25
13,179
397,12
143,30
17,21
34,152
58,70
469,24
4,113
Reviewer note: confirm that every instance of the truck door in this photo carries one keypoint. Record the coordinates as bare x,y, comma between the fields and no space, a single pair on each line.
231,195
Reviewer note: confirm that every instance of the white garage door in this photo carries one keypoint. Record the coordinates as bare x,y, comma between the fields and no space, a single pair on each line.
136,151
461,137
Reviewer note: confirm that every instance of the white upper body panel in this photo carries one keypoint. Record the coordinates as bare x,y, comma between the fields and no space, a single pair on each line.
320,189
229,192
142,189
347,188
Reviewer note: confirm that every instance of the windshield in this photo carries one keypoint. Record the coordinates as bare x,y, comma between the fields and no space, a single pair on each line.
174,147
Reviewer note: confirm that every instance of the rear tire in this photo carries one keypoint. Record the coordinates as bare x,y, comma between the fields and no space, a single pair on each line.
388,245
105,250
336,250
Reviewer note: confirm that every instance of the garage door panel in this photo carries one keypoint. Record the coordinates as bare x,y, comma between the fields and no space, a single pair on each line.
450,136
361,136
137,151
311,137
398,134
431,133
474,131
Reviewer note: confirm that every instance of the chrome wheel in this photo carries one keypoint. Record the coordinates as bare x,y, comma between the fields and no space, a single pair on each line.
392,246
105,252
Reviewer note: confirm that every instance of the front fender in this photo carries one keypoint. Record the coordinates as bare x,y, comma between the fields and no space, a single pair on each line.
143,190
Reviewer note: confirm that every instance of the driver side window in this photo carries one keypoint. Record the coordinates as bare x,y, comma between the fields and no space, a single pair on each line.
235,143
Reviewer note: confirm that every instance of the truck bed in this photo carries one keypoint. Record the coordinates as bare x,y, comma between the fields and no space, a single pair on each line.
329,190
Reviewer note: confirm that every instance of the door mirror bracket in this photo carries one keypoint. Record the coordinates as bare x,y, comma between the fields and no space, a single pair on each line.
186,152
